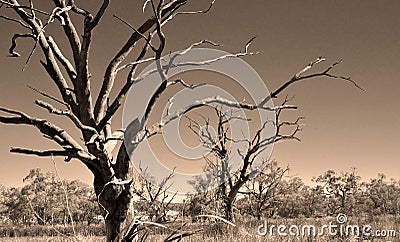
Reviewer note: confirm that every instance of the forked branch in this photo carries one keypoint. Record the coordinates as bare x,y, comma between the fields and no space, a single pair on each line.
50,130
300,76
109,77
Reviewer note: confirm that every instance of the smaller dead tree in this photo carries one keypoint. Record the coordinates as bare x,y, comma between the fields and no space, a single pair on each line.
219,157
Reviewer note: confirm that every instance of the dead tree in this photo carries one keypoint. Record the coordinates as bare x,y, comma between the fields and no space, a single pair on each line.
219,145
92,114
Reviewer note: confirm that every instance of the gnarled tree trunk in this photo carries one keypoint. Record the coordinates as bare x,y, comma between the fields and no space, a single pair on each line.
115,198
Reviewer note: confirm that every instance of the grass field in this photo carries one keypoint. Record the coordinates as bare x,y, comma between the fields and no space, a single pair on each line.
247,231
50,239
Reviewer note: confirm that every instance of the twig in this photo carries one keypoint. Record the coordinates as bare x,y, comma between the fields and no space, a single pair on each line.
48,96
137,31
66,196
16,21
12,51
23,7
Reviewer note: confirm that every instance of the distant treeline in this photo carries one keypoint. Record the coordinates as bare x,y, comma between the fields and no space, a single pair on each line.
46,200
273,195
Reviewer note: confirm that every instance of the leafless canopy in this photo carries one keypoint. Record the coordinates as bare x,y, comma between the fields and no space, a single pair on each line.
232,179
93,116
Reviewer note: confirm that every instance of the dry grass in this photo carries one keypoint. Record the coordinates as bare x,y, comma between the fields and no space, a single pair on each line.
51,239
247,231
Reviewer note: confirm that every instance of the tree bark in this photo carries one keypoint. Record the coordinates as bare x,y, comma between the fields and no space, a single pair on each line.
229,210
342,203
121,215
116,199
118,211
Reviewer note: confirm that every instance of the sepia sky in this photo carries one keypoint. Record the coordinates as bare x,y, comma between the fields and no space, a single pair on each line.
345,127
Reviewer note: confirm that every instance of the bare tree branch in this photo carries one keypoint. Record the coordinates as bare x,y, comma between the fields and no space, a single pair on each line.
200,11
148,39
299,77
63,60
12,51
78,10
110,74
52,131
172,16
50,65
162,70
145,5
130,82
171,58
32,11
70,32
48,96
171,63
67,113
207,102
121,95
15,5
100,13
16,21
44,153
